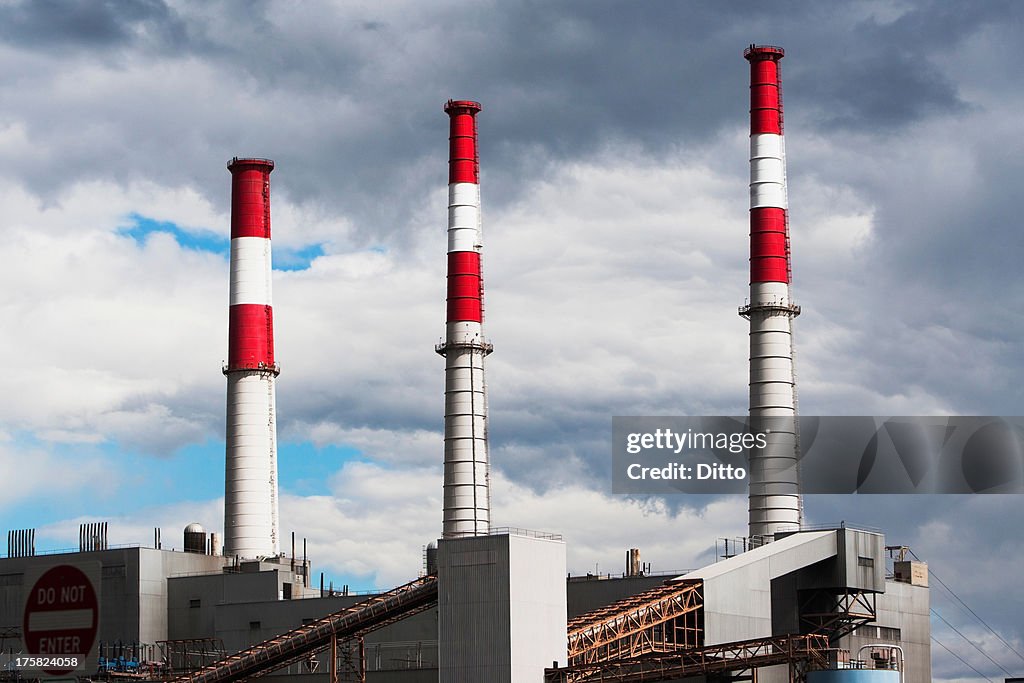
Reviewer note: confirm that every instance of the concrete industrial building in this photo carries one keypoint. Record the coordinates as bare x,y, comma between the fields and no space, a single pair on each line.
495,604
170,602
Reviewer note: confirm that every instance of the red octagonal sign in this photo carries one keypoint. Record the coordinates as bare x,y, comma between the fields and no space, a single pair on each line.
61,617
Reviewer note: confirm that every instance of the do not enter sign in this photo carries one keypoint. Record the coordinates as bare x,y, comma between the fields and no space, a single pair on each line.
61,619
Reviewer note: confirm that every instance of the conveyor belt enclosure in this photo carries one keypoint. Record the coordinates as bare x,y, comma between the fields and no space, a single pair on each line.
798,651
351,622
663,618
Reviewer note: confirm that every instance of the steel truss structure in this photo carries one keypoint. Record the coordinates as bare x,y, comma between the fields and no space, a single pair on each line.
800,652
662,619
348,661
189,654
836,614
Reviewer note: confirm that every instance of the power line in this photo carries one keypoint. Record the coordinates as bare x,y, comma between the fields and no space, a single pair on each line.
973,644
938,642
950,590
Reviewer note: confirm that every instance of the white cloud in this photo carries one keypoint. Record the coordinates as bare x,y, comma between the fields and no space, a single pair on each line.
101,322
138,525
613,269
415,448
378,519
33,473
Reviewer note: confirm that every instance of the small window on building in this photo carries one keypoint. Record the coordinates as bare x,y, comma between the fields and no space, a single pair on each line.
879,632
866,561
888,633
195,602
287,591
255,625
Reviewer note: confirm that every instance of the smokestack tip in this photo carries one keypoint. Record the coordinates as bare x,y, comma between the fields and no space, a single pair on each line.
761,52
461,107
250,162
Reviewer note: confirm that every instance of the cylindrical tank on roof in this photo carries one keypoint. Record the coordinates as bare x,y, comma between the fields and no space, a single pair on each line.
431,558
195,539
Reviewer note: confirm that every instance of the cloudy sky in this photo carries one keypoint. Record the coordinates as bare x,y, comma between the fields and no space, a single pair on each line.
613,148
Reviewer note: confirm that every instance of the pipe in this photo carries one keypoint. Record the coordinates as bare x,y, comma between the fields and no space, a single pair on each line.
886,646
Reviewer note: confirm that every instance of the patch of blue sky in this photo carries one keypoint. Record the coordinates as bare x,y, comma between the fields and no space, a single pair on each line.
296,259
141,227
122,483
48,499
304,469
127,482
356,583
284,259
196,472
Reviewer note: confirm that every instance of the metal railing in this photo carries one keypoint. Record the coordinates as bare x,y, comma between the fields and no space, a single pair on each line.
65,551
510,531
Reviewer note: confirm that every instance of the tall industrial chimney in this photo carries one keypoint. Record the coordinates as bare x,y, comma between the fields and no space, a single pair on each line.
774,500
250,483
467,504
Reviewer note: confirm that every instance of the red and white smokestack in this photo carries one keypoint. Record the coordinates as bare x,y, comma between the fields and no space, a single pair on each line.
774,495
250,484
467,504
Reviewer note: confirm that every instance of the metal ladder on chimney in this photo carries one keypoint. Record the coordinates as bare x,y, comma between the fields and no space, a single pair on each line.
792,347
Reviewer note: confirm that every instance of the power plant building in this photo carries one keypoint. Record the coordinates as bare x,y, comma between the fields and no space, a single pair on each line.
493,604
